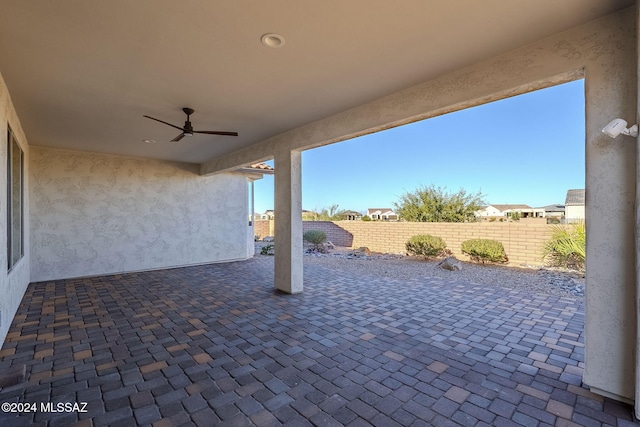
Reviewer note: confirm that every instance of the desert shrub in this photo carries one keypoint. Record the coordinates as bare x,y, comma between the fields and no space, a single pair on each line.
437,204
566,247
268,249
484,250
315,237
425,245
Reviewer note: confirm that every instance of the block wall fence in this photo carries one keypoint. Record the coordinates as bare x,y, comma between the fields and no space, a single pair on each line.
263,228
522,240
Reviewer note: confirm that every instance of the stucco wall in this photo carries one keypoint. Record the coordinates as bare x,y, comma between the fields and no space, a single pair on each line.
14,283
98,214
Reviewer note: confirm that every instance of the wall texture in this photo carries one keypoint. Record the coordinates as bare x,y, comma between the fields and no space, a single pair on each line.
522,240
98,214
263,228
14,283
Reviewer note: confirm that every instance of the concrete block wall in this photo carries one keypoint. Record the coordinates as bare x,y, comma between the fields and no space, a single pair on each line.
522,240
336,234
263,228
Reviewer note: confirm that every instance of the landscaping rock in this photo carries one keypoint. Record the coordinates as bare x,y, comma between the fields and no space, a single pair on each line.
560,282
450,263
362,251
268,239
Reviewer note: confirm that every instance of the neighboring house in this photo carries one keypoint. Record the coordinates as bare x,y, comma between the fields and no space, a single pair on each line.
382,214
489,212
574,205
351,216
554,211
524,211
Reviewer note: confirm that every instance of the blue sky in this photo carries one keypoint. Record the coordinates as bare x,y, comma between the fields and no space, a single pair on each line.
525,149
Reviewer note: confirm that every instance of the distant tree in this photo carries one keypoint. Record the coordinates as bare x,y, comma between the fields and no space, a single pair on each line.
436,204
332,213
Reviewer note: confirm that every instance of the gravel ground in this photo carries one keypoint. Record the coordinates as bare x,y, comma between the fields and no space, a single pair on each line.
548,281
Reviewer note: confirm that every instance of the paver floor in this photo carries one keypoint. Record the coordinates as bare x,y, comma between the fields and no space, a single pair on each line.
216,345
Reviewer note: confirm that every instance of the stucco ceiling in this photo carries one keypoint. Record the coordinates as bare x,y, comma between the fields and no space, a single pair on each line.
82,74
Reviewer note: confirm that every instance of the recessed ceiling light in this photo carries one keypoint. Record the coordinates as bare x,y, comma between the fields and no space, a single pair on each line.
149,141
272,40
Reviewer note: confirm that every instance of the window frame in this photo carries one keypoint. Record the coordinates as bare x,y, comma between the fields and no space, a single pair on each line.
15,181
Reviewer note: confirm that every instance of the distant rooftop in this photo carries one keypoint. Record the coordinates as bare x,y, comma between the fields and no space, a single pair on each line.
575,198
382,210
261,168
503,208
553,208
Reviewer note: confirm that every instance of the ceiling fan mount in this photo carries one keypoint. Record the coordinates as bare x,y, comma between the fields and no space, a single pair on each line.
187,129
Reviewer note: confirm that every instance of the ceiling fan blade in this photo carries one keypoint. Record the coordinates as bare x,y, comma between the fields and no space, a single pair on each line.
169,124
215,132
178,138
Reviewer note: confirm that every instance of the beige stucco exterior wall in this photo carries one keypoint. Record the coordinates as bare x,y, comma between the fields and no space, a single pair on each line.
611,88
96,214
14,283
604,53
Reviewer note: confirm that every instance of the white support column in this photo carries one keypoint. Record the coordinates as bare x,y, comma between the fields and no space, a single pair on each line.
288,222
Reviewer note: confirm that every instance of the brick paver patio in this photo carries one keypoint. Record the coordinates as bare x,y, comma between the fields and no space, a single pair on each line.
216,345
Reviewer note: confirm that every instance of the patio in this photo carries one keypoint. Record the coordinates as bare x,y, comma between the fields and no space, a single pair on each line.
216,345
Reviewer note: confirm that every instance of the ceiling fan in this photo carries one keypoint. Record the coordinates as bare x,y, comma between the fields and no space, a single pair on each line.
187,129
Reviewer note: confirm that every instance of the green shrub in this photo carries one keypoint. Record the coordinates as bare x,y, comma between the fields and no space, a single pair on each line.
317,237
425,245
268,249
567,247
484,250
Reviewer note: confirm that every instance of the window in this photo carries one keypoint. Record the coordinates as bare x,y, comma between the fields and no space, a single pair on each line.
15,199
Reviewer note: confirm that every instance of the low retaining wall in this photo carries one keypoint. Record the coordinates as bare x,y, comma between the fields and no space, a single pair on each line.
522,240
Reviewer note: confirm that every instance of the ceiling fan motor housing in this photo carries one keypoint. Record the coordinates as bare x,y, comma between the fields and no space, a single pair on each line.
188,129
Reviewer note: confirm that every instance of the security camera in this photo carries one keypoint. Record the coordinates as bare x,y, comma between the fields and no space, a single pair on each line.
619,126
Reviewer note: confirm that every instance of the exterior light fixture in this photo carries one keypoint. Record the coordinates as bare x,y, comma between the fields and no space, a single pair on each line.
272,40
149,141
619,126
